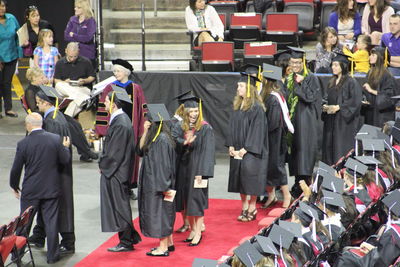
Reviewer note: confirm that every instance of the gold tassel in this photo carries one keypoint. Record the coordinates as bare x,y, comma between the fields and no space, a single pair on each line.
259,76
352,68
248,86
305,65
200,110
29,111
55,111
112,101
159,128
386,57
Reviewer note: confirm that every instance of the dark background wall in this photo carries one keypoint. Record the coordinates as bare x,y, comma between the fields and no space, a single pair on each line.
57,12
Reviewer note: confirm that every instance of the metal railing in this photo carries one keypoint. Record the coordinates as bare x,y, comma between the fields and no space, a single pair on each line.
143,39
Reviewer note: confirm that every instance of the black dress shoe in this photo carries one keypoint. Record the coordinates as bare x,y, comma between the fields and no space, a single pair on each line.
53,261
150,253
120,248
66,251
187,240
93,155
37,242
195,244
85,158
170,248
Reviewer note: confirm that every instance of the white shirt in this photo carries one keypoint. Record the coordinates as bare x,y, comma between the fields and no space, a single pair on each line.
115,114
211,18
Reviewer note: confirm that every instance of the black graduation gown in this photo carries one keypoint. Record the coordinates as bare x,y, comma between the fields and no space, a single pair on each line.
277,146
157,175
341,127
382,107
116,168
306,121
59,125
200,160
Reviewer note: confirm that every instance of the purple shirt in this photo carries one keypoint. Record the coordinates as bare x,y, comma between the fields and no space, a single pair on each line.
392,43
83,34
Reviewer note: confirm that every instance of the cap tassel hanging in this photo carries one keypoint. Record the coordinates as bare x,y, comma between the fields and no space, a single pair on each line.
259,76
55,110
248,87
200,110
352,68
355,180
315,184
376,174
314,230
112,101
386,57
159,128
305,65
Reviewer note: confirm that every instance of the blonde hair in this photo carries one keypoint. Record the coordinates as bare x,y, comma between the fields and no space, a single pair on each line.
87,9
180,110
42,34
186,121
248,102
33,72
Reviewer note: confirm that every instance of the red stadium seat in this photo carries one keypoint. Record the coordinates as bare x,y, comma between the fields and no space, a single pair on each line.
245,27
259,52
283,29
8,241
25,104
22,245
217,56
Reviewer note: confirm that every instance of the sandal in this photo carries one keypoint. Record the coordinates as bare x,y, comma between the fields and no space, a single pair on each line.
183,229
242,215
251,216
269,205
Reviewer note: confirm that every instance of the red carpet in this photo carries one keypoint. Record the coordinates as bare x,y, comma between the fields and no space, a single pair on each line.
223,231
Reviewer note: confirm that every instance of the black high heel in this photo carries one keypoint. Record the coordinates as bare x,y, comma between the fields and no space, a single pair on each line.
195,244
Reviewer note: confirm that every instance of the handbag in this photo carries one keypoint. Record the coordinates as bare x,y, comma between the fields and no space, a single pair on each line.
28,50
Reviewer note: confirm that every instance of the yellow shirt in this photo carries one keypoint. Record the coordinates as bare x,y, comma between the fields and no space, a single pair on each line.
361,59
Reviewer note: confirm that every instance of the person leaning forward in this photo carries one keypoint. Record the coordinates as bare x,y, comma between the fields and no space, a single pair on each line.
41,153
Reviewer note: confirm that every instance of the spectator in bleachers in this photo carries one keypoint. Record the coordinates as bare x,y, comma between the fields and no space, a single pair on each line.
35,25
361,57
81,28
392,42
326,49
375,19
379,89
10,51
45,54
204,22
346,20
36,78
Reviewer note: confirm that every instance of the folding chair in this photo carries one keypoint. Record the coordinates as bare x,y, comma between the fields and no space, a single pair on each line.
25,104
305,9
227,7
245,27
283,29
259,52
8,241
217,56
21,242
224,20
326,8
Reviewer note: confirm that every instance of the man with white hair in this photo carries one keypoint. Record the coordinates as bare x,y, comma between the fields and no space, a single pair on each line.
73,78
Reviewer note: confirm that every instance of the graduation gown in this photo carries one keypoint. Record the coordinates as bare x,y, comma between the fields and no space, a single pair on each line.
157,175
198,159
277,146
135,112
306,121
59,125
248,130
116,165
382,108
341,127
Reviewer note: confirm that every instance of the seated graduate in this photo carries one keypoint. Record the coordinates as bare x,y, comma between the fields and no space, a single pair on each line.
372,181
157,180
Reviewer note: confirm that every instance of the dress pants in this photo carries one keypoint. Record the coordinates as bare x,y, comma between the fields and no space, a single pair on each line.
6,75
77,136
77,93
128,237
48,208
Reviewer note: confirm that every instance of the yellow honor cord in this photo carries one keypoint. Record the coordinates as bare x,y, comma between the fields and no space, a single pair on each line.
304,64
29,111
112,101
352,67
159,128
386,57
55,110
248,86
200,110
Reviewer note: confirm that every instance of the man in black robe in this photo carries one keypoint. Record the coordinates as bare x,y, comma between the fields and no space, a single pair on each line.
116,166
55,122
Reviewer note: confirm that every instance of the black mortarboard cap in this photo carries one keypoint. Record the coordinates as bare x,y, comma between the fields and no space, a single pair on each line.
251,69
392,201
306,212
244,78
123,63
266,245
340,58
333,199
396,130
157,112
367,132
281,236
272,72
354,165
296,52
333,183
373,145
324,168
189,100
120,94
379,50
368,160
248,254
48,94
320,212
204,263
282,55
294,228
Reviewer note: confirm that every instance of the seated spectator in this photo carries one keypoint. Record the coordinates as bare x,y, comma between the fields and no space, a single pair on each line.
45,54
204,21
36,78
392,42
326,49
73,77
346,20
361,56
81,28
375,19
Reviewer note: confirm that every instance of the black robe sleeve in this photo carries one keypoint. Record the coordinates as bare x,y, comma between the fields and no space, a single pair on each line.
30,99
385,92
352,97
309,90
204,146
18,164
256,133
274,113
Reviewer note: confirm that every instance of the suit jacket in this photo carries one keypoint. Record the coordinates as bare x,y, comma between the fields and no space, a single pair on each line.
41,153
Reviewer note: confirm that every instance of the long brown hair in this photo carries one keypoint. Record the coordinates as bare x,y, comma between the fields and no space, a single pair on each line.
248,102
377,70
186,122
381,6
387,167
269,86
324,36
343,11
152,133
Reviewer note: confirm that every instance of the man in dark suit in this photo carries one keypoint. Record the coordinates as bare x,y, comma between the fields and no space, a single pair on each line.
41,153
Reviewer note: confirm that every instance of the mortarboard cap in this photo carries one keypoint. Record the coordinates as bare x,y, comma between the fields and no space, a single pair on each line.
373,145
248,254
325,168
333,199
266,245
340,58
367,132
280,236
392,201
306,212
272,72
296,52
189,100
122,63
157,112
251,69
354,165
368,160
320,212
333,183
282,55
48,94
204,263
294,228
396,130
245,78
119,94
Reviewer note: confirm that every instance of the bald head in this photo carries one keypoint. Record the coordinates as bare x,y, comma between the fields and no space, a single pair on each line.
72,51
33,121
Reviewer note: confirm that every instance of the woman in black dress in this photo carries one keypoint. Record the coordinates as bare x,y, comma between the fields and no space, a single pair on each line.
341,113
36,78
379,89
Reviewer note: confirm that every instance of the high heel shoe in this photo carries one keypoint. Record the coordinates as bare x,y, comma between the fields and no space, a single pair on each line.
170,248
242,215
251,216
266,206
195,244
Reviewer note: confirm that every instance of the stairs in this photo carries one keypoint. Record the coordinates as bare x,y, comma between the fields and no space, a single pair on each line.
167,45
